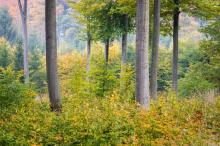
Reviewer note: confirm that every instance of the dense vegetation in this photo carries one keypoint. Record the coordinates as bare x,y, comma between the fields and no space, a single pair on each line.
98,86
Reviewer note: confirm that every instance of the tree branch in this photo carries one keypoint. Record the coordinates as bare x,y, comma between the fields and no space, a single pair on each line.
20,8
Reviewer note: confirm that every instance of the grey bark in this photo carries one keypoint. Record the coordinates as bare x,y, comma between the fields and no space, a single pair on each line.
155,49
51,55
107,43
88,52
142,44
23,12
124,47
176,13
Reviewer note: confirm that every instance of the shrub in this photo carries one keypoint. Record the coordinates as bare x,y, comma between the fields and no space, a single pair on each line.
12,91
194,81
111,121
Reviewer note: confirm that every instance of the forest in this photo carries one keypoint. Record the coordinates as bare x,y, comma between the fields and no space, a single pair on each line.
110,72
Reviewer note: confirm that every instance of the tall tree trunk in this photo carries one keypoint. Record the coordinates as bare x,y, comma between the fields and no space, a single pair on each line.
142,42
107,43
51,55
23,12
124,47
176,13
88,52
155,48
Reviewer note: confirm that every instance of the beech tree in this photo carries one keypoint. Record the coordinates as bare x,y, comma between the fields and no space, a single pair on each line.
88,58
198,8
23,12
176,13
7,29
51,55
142,41
155,49
107,20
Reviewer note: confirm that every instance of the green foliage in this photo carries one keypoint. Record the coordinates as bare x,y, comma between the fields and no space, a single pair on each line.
34,42
200,67
12,91
111,121
164,70
211,49
194,81
37,71
18,57
5,53
105,20
7,29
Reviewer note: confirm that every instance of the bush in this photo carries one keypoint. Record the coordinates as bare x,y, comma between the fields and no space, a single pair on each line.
5,55
194,81
111,121
12,91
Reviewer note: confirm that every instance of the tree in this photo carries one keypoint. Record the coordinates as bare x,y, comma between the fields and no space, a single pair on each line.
85,19
142,41
123,12
199,8
23,12
6,25
155,48
176,13
89,41
18,57
37,71
51,55
5,56
124,46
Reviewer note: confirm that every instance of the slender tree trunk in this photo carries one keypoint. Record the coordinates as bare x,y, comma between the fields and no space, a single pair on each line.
88,53
142,42
175,46
107,42
23,12
124,47
155,49
51,55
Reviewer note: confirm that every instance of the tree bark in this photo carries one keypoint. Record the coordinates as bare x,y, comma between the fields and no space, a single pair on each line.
51,55
124,47
176,13
107,42
88,52
23,12
142,44
155,49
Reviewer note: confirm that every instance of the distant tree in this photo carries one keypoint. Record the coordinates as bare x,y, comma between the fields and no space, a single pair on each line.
142,41
7,29
37,70
96,15
34,42
5,56
18,57
51,55
89,43
23,13
211,48
123,13
198,8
